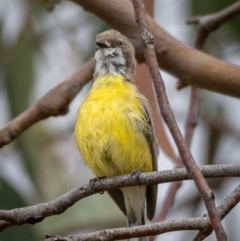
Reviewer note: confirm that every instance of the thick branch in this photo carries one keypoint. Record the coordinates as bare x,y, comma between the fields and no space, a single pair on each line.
37,213
55,102
191,66
155,229
172,55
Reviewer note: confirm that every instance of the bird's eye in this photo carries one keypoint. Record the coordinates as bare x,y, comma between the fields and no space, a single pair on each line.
119,43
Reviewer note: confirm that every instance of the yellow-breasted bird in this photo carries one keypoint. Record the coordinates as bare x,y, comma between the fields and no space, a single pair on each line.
114,128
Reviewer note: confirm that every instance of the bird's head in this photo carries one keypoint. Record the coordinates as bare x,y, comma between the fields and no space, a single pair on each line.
114,55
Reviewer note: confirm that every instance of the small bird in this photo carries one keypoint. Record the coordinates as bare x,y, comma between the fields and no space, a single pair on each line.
114,128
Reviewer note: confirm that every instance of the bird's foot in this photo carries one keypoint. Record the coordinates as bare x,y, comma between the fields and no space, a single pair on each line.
94,180
136,174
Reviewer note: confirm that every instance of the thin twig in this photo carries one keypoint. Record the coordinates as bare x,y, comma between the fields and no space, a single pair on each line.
192,116
167,203
54,103
211,22
224,208
37,213
186,156
190,125
157,228
206,24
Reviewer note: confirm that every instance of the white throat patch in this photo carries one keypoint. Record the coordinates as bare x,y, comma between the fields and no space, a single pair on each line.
109,61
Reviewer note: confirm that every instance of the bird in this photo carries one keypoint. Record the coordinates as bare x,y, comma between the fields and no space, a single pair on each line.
114,128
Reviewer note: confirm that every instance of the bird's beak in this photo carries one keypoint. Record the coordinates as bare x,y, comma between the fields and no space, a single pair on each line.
102,45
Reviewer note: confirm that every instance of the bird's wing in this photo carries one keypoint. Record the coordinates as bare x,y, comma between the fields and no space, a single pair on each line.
117,196
151,194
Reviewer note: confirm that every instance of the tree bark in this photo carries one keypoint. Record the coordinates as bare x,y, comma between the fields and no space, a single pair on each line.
189,65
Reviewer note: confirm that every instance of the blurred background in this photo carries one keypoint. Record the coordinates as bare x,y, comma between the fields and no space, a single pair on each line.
38,50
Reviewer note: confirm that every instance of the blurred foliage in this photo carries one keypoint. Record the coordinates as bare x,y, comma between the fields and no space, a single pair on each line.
36,145
11,199
203,7
19,72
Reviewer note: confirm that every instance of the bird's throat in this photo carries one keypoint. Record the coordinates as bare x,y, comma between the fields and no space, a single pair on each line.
109,63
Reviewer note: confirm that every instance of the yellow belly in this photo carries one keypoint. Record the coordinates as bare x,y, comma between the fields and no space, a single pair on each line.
109,129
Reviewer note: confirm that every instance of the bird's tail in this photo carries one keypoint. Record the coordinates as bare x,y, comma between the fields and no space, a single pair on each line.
132,222
134,198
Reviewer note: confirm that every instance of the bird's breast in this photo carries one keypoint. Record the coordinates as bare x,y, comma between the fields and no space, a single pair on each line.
110,129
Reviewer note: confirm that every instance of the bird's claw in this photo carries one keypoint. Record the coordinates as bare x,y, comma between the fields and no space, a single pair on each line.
94,180
136,173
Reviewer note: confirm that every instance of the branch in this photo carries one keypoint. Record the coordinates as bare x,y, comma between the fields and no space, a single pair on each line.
211,22
37,213
167,114
155,229
224,208
191,66
207,24
55,102
173,56
138,231
190,125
